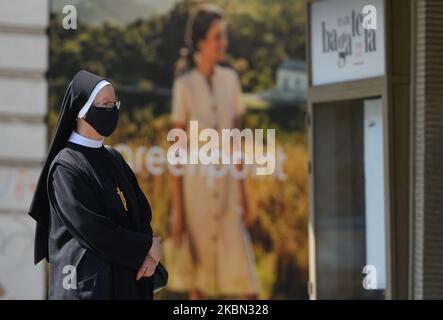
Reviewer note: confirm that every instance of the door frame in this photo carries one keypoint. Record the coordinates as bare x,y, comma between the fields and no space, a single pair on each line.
358,89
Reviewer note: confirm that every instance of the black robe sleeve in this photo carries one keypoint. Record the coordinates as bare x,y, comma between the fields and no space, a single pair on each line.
146,224
73,200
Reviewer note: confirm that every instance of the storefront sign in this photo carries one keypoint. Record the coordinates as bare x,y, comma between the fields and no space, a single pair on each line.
347,40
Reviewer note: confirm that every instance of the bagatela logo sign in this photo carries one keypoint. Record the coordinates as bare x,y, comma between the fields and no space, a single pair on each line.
347,40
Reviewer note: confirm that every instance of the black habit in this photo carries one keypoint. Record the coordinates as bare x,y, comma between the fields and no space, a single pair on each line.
92,217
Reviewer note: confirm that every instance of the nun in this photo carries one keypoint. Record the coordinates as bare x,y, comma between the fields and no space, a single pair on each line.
93,220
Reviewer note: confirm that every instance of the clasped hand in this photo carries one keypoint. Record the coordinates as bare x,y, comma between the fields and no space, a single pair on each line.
152,259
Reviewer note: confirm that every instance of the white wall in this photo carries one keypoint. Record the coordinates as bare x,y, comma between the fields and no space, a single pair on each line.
23,141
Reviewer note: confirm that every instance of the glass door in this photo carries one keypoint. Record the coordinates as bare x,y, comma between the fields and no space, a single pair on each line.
349,200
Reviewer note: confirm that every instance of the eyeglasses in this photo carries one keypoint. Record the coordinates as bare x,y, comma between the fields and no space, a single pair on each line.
110,105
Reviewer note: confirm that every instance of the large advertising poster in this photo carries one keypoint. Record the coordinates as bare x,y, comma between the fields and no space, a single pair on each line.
139,46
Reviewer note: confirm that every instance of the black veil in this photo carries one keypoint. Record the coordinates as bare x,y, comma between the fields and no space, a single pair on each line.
75,98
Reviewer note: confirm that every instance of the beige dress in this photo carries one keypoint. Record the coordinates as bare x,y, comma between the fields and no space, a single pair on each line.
225,263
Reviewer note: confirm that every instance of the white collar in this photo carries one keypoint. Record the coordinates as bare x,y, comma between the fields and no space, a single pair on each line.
83,141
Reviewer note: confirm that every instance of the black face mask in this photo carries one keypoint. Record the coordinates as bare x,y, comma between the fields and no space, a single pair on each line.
102,120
